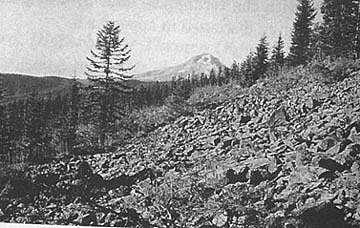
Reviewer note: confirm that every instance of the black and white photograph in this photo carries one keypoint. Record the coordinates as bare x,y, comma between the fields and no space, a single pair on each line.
180,113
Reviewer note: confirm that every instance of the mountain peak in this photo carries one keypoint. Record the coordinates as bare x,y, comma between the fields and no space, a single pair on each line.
202,63
205,58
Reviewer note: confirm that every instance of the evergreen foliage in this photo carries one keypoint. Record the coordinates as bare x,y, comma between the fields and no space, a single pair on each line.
262,61
302,29
278,54
341,28
248,70
107,73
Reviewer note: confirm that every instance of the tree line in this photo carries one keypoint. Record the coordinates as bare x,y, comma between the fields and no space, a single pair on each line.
337,36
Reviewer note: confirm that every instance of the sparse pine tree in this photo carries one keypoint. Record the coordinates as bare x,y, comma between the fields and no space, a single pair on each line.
235,71
2,90
302,28
4,137
262,61
220,79
107,74
212,77
318,47
73,116
248,69
35,130
227,76
278,55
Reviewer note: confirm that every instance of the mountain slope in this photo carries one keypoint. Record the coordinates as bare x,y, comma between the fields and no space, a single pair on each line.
199,64
283,153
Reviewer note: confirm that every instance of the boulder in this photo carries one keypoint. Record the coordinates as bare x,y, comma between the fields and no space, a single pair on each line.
325,215
256,177
279,116
327,143
48,179
220,219
214,140
96,180
88,219
330,164
233,177
245,119
84,170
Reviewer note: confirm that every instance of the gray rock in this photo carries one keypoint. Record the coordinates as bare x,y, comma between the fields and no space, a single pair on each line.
88,219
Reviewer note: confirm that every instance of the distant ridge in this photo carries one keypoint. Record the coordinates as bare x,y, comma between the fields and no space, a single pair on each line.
19,85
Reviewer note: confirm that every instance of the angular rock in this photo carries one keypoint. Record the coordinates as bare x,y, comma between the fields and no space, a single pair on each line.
244,119
88,219
220,219
327,143
325,215
84,170
256,177
330,164
279,116
233,177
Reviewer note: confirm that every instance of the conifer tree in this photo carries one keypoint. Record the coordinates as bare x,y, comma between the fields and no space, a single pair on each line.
34,126
203,80
235,71
107,73
341,27
262,52
2,90
212,77
248,69
16,126
3,119
227,75
278,54
302,28
73,116
220,79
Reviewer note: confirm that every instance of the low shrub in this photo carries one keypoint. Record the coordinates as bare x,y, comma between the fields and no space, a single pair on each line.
334,70
12,180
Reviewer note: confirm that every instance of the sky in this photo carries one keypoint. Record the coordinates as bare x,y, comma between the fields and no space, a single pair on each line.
53,37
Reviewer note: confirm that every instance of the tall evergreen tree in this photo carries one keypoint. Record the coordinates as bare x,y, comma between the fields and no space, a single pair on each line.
302,28
3,122
227,75
73,116
278,54
212,77
107,73
2,90
317,42
262,52
247,69
341,27
36,139
220,78
235,71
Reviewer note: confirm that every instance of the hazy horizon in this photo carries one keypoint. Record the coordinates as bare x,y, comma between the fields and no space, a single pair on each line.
48,38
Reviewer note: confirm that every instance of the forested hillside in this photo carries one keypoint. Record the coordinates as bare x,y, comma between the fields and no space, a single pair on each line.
19,86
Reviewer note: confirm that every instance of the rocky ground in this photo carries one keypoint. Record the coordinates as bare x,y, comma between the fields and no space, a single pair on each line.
284,153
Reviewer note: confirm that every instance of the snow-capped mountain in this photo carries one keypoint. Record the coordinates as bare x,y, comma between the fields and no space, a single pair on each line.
196,65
